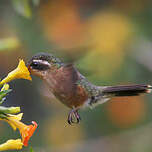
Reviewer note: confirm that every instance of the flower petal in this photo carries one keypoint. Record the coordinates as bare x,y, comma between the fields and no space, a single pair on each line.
11,145
26,135
16,117
21,72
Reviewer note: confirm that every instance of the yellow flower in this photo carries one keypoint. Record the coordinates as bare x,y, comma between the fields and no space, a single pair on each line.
12,145
15,117
21,72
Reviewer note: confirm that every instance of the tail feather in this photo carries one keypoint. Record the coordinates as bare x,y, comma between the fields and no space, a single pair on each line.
127,90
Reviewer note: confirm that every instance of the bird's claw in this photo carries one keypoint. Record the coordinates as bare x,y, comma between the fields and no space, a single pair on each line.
73,117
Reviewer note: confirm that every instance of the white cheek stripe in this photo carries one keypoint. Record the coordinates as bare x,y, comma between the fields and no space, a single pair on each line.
42,61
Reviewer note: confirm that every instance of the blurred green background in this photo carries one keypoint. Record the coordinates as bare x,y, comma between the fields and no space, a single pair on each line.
110,41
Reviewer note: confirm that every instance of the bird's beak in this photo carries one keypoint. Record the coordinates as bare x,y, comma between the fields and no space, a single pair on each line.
31,70
29,67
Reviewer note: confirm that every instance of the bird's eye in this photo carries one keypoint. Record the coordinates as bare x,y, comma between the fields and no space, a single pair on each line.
39,66
34,64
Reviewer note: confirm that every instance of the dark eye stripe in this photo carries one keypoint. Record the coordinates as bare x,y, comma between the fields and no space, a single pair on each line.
39,66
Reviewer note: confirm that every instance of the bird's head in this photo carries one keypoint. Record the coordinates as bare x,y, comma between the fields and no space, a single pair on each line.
42,63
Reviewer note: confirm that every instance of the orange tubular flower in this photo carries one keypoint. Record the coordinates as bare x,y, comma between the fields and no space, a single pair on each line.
26,131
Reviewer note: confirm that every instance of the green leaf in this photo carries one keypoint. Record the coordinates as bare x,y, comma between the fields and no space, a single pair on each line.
22,7
3,94
9,110
3,116
5,91
3,99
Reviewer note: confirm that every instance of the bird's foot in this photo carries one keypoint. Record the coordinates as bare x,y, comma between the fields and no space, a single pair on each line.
73,117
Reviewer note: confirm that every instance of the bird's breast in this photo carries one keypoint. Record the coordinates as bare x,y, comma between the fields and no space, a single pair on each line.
64,86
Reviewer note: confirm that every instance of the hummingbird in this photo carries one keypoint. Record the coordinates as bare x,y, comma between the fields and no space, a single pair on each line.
73,89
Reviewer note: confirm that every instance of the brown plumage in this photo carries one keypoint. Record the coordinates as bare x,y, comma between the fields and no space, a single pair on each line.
62,83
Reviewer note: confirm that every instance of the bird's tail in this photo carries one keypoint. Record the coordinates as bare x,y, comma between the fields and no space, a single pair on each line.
127,90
